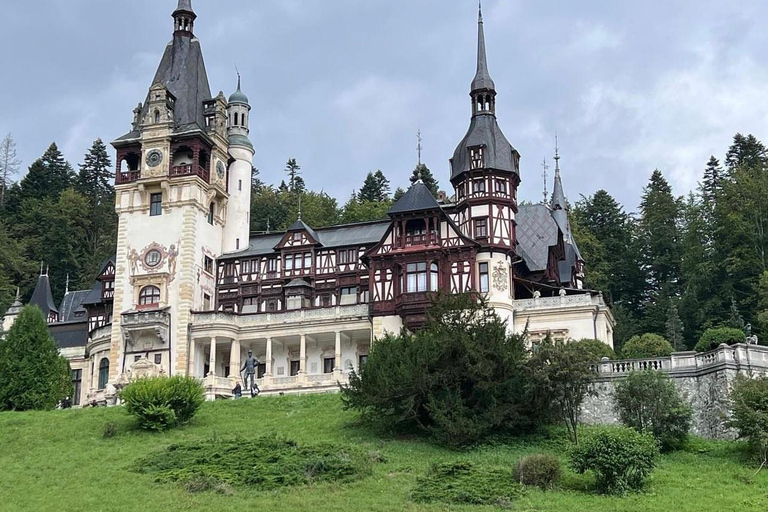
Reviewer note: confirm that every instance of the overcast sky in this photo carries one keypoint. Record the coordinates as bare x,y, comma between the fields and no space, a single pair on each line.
344,85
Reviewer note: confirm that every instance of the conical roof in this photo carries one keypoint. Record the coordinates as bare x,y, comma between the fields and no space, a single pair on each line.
417,198
42,296
482,80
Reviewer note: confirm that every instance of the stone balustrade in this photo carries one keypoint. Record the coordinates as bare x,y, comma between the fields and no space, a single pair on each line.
582,299
288,317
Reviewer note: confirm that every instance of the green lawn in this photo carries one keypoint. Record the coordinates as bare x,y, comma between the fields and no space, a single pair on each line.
59,461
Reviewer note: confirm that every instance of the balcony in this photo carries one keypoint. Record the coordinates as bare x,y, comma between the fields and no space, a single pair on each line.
128,177
421,239
252,319
178,171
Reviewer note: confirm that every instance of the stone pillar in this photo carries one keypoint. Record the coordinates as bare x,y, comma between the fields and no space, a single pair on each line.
212,359
191,359
234,360
268,362
303,358
337,365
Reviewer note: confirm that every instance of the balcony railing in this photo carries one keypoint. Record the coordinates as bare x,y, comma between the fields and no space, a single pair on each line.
128,176
191,170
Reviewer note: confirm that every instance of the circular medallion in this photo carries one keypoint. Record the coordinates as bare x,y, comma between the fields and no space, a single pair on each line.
220,169
153,258
154,158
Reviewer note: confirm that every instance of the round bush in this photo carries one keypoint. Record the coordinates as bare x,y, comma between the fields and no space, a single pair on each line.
595,348
161,402
713,338
647,345
750,413
540,470
620,457
650,402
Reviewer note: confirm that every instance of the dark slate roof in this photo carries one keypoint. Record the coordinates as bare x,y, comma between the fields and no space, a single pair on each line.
94,295
70,334
417,198
537,231
42,296
565,267
484,131
300,225
71,304
482,79
361,233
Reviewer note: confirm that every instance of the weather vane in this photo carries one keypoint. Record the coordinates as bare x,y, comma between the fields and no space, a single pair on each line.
419,147
544,174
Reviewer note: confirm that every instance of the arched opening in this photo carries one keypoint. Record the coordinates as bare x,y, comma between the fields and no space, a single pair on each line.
103,373
211,212
183,156
237,119
149,296
132,160
433,277
204,159
157,116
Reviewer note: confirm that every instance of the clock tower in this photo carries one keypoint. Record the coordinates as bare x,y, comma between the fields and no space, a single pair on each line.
182,178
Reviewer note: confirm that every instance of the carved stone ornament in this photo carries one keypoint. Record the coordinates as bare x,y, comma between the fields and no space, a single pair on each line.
220,169
501,277
154,158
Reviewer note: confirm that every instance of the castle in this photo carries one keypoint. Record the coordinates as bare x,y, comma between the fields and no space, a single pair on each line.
190,291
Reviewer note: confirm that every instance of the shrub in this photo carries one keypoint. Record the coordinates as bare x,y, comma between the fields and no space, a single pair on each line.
540,470
620,457
459,379
647,345
713,338
596,349
463,482
160,403
749,399
110,430
650,402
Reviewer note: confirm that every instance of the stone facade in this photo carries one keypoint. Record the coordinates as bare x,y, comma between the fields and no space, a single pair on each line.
705,380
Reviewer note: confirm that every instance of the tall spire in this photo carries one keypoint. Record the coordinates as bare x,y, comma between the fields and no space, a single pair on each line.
184,18
558,194
482,81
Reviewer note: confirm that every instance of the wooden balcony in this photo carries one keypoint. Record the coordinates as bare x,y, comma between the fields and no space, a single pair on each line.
127,177
178,171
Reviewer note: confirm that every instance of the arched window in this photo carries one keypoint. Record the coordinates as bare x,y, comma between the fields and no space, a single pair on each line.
157,116
149,296
103,373
211,211
433,277
237,119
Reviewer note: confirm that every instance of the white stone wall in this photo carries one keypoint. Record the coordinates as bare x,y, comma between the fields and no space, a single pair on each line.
237,228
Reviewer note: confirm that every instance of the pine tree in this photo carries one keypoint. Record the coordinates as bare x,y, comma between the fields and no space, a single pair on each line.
295,181
735,319
33,376
399,192
711,184
745,151
375,188
422,172
9,165
94,180
675,328
48,176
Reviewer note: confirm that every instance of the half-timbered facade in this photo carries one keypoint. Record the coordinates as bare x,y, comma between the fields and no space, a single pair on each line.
190,291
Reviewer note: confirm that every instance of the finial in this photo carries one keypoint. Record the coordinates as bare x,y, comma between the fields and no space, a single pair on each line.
18,294
480,11
238,77
47,269
66,287
267,225
544,174
557,156
41,269
418,147
299,205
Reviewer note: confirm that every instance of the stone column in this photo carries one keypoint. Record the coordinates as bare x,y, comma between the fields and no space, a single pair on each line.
303,358
212,359
337,368
191,359
234,360
268,362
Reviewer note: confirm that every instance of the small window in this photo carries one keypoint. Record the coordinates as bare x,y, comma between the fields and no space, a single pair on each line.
149,296
501,187
416,277
153,258
136,359
433,277
157,116
77,385
343,257
484,278
297,237
481,228
211,213
271,306
158,358
295,368
155,204
325,301
206,302
362,360
237,244
352,290
209,265
476,158
328,364
240,185
103,373
478,186
308,260
272,265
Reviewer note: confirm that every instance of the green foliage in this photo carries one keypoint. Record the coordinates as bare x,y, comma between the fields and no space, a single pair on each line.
647,345
749,404
649,402
620,457
274,210
464,483
363,211
675,329
563,380
713,338
422,172
262,464
539,470
33,376
596,350
110,430
160,403
460,378
375,188
295,181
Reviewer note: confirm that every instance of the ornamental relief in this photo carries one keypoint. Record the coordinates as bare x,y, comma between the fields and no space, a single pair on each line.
501,277
154,258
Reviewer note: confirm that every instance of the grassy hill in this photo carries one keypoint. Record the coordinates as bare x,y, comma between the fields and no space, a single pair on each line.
60,461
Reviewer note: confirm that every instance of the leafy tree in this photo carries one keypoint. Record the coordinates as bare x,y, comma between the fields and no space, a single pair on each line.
713,338
627,326
9,165
564,377
675,328
375,188
33,376
647,345
362,211
422,172
749,399
649,402
295,181
596,350
460,378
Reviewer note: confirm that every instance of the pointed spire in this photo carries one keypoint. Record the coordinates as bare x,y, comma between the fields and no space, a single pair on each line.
558,194
184,5
419,147
545,176
66,287
482,79
17,302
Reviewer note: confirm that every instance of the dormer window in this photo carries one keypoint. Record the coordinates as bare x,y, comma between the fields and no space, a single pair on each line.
476,158
297,237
